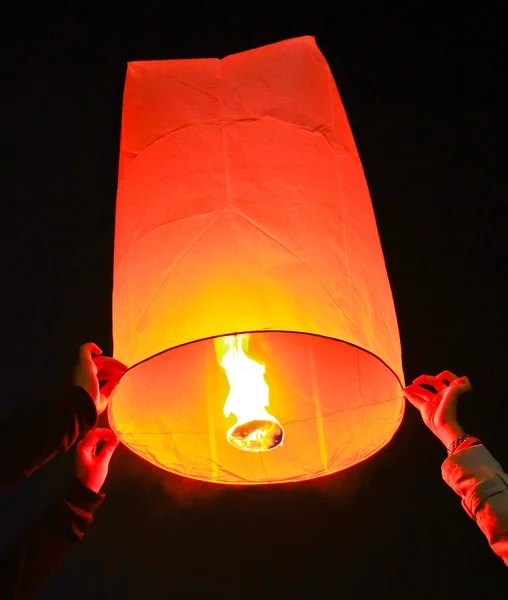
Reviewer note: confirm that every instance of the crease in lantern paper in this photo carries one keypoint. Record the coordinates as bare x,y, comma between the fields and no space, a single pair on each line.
167,224
173,264
283,49
223,142
353,150
190,85
317,405
344,233
297,257
177,452
228,476
324,131
267,477
222,62
285,423
341,410
229,473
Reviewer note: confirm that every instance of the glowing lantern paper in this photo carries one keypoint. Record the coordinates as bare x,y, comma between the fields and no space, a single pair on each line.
250,292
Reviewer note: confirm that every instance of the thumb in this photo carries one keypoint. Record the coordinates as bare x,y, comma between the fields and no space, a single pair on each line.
86,351
108,388
90,440
414,394
463,384
109,447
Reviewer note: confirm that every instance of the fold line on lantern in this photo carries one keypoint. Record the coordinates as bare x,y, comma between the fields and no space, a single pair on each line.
344,234
223,139
332,86
338,452
177,452
267,477
335,412
212,434
325,131
222,122
194,87
163,225
231,473
282,46
134,155
285,423
317,406
293,253
174,263
395,339
139,447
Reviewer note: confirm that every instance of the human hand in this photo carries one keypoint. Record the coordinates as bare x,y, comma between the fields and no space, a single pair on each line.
92,368
439,408
92,467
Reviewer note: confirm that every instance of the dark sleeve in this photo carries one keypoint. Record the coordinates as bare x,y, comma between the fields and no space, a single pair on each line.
34,558
30,440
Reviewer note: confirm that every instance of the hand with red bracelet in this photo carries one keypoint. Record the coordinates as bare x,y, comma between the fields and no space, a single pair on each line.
439,408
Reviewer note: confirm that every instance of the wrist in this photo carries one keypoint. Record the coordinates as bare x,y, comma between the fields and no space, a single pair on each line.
93,487
463,441
93,484
449,432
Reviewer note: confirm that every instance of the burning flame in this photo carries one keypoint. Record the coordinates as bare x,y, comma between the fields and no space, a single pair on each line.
255,430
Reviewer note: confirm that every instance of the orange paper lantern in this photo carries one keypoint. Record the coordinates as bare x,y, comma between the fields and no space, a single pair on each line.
243,209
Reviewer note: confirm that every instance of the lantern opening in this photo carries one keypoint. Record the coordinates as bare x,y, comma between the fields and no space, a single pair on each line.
256,430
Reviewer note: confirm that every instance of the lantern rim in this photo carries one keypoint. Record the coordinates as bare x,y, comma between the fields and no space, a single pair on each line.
260,331
287,480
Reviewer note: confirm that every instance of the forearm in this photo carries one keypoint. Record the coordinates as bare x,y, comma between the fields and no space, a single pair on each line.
483,486
31,561
30,440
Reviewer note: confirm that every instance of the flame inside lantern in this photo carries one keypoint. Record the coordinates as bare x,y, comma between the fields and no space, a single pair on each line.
249,396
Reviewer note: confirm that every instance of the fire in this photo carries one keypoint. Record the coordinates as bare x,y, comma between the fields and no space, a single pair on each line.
255,430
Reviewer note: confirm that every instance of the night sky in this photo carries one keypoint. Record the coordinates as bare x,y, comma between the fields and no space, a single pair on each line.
424,96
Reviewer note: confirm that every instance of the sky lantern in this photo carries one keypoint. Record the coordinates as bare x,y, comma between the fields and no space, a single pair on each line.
251,299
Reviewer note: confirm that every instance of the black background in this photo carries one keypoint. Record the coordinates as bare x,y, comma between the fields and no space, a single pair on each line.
424,92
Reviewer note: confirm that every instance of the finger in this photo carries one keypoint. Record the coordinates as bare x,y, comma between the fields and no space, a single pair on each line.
463,383
106,452
425,394
87,446
109,367
414,394
108,388
86,350
103,434
109,447
460,386
430,380
447,376
92,438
